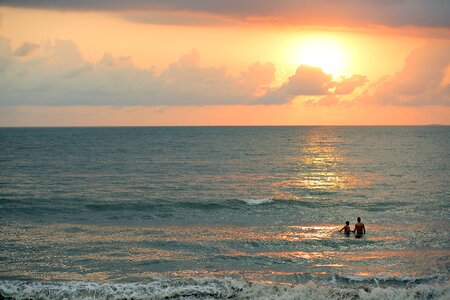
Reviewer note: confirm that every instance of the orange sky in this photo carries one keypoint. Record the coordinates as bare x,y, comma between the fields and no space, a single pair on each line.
201,64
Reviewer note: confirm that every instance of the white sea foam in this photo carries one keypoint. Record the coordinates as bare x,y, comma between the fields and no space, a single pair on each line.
257,201
213,288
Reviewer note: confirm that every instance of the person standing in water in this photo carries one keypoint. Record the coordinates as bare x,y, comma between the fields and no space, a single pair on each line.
360,230
346,228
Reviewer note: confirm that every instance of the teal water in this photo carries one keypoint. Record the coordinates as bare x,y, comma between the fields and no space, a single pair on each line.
216,212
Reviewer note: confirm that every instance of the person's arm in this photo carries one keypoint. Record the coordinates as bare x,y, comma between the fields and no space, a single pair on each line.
364,229
342,229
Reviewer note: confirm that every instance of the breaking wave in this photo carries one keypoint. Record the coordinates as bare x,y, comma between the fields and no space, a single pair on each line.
257,201
213,288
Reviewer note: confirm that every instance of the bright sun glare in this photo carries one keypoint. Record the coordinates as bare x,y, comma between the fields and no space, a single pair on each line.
326,54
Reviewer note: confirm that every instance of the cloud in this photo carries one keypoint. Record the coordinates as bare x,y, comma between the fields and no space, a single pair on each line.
57,74
258,78
5,54
348,85
418,13
26,49
308,81
420,82
175,18
312,81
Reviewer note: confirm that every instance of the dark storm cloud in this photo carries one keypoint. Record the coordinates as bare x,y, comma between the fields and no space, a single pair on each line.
420,13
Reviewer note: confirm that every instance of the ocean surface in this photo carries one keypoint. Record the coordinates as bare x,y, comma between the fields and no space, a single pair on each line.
224,212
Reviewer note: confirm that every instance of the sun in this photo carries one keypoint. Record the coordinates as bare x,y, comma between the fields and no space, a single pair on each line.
327,54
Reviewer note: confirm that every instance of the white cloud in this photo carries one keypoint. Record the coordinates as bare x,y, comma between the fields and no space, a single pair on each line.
55,73
312,81
420,82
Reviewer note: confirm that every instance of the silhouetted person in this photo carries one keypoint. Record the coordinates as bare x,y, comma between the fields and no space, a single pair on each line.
360,230
346,228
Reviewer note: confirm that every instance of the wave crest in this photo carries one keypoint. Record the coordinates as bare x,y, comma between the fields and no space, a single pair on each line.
211,288
257,201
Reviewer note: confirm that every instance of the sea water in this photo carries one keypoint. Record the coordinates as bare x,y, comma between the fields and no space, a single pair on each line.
224,212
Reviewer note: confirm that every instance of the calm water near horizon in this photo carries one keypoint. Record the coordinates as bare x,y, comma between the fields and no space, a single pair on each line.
224,212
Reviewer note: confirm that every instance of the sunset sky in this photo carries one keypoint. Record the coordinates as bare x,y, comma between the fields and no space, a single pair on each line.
229,62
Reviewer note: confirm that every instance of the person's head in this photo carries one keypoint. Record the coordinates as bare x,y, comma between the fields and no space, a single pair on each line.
347,223
359,219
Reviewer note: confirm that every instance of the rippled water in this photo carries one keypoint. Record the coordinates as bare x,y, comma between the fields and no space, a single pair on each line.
216,212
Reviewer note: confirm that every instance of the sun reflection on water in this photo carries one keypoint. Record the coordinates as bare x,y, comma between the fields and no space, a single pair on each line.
84,251
298,233
321,161
321,164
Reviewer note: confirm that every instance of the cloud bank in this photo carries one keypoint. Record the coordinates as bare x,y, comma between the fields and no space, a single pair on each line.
55,73
417,13
423,80
312,81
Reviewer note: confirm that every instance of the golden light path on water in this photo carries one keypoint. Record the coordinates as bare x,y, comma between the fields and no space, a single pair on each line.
131,248
321,165
320,156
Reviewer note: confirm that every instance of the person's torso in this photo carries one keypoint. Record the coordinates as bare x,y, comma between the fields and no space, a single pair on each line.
359,228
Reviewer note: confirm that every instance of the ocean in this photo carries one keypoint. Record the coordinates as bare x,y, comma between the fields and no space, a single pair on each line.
224,212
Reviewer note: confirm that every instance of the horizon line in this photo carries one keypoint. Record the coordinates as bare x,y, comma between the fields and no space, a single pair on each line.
155,126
